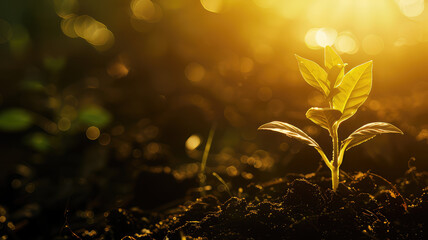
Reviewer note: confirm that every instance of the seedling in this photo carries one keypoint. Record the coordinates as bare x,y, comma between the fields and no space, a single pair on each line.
345,93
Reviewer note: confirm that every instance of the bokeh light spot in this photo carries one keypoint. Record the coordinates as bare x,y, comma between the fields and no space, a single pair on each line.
346,43
195,72
100,36
143,9
232,171
117,70
375,105
30,188
284,146
310,38
193,142
67,27
153,148
104,139
325,37
411,8
64,124
86,27
92,133
247,65
146,10
65,8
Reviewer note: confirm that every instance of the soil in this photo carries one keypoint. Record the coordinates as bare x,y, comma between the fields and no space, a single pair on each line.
297,206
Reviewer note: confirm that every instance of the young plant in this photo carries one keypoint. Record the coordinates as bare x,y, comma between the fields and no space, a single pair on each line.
345,93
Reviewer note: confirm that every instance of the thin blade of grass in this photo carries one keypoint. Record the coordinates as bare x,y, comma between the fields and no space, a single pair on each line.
202,175
223,182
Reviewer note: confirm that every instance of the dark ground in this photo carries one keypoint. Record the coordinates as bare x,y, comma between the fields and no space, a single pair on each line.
366,206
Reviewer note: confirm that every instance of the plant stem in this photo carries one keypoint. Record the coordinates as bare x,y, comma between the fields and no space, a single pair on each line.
334,178
202,175
335,159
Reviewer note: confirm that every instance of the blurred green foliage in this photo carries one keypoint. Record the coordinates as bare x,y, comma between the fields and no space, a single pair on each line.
94,116
39,141
15,119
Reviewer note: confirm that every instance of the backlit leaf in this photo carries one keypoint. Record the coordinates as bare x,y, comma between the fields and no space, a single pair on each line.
294,132
354,90
335,67
335,75
324,117
331,58
314,75
368,132
291,131
15,119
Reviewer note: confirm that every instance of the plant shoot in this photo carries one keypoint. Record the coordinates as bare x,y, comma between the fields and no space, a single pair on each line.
345,93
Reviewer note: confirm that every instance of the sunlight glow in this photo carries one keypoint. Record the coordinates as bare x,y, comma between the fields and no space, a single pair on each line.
372,44
264,3
292,9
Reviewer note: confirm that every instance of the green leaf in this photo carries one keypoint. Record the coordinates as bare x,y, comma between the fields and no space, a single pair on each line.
335,75
368,132
324,117
94,116
313,74
15,119
335,70
294,132
289,130
354,90
331,58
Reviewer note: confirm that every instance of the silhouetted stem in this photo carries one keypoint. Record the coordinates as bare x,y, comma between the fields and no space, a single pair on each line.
334,178
335,159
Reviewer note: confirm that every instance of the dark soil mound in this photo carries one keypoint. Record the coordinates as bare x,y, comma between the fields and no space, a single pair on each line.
366,206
